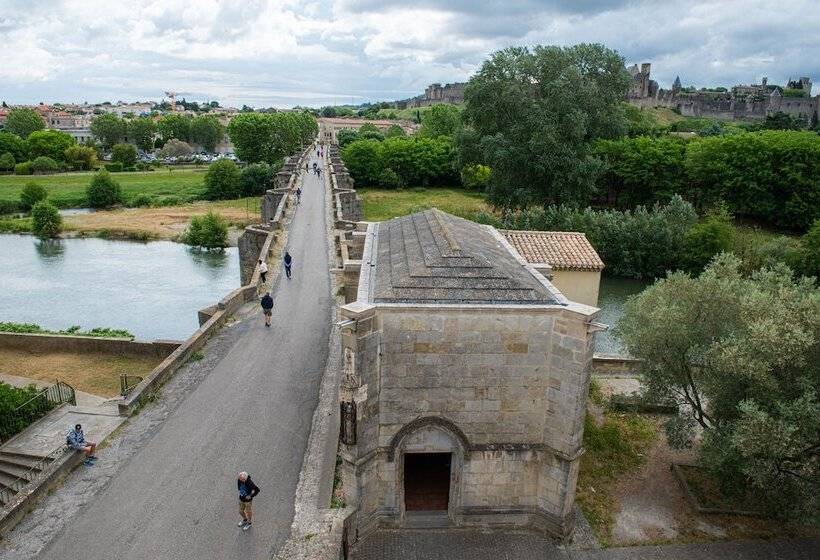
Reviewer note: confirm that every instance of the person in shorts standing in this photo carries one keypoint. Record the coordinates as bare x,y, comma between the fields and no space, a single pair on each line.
267,307
247,492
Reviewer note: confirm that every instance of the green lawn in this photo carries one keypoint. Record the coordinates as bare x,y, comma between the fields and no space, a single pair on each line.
67,190
383,204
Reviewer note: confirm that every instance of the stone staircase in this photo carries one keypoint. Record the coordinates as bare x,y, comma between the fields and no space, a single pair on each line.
17,470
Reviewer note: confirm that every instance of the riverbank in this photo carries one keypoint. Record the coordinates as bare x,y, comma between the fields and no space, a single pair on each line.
144,224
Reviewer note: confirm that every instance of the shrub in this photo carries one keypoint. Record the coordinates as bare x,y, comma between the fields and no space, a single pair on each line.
130,168
255,178
49,143
44,164
711,236
140,201
9,207
209,231
46,220
13,397
31,194
125,154
115,167
103,191
389,179
475,176
810,251
223,181
167,201
144,166
23,168
7,162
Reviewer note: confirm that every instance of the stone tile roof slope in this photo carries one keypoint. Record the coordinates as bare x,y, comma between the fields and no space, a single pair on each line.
433,256
562,250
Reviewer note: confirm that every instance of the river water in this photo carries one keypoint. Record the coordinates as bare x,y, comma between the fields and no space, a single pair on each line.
612,295
150,289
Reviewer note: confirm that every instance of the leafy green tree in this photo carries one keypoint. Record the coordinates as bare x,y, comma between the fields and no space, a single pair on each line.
7,162
346,136
81,157
141,132
783,121
270,137
209,231
31,194
256,178
810,251
421,161
126,154
639,122
441,120
108,129
22,121
741,353
711,236
537,113
174,125
49,143
389,179
175,148
44,164
207,131
223,180
328,111
46,220
104,191
476,176
363,159
394,131
23,168
641,170
13,144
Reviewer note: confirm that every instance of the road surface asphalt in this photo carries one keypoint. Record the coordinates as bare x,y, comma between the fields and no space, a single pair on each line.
176,499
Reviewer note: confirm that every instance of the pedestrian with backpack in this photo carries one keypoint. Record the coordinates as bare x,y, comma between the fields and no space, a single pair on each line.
267,307
247,492
76,440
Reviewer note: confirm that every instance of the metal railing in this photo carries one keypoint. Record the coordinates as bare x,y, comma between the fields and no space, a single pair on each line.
128,382
36,407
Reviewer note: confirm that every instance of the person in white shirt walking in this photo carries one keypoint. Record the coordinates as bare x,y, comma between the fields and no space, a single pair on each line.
263,269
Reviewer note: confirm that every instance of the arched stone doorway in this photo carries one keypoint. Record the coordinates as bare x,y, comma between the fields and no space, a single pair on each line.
429,454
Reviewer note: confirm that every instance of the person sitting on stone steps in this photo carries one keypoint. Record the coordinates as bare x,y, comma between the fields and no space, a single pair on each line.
76,440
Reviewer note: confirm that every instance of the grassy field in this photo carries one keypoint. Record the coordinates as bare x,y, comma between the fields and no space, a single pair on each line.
98,374
383,204
67,190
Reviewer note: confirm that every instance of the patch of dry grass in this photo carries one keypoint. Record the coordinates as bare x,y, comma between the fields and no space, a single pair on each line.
98,374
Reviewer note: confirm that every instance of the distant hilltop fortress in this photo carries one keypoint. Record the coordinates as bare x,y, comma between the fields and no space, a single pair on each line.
742,102
434,94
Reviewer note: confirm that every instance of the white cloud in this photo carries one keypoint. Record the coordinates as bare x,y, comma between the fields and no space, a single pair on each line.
286,52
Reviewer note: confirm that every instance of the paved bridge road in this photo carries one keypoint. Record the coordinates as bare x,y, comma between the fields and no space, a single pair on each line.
176,498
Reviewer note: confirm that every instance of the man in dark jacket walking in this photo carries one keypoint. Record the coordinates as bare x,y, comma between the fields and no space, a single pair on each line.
247,492
267,307
288,260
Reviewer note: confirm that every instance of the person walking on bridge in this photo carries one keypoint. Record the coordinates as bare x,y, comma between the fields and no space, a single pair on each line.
247,492
267,307
298,195
263,269
288,261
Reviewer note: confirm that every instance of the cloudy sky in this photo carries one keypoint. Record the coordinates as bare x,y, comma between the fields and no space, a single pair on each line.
288,52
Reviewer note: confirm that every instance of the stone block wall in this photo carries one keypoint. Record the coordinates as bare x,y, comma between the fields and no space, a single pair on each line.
250,245
351,206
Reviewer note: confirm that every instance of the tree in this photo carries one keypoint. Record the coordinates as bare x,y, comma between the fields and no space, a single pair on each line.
104,191
256,178
783,121
31,194
475,176
810,251
46,220
174,125
223,181
328,111
141,132
175,148
364,160
209,231
207,131
23,121
108,129
14,145
49,143
81,157
394,131
537,113
346,136
7,162
44,164
126,154
270,137
741,353
440,120
713,235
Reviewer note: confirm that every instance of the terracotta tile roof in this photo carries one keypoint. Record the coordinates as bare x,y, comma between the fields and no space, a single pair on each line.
562,250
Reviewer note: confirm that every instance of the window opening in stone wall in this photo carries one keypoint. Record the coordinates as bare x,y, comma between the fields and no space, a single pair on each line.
427,481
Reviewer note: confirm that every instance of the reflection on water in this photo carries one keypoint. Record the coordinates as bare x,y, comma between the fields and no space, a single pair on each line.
151,289
50,249
613,294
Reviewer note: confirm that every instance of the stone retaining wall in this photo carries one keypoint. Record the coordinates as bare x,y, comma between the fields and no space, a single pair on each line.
86,344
